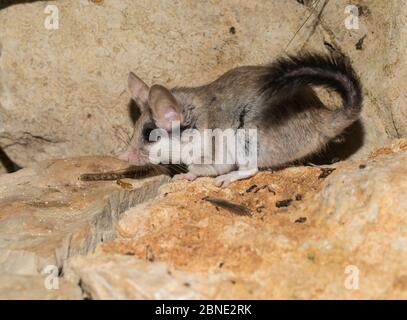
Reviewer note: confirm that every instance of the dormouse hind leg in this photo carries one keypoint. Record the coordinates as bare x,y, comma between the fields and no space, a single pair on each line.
243,173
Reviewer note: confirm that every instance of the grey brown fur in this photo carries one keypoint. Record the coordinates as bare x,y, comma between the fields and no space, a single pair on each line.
276,99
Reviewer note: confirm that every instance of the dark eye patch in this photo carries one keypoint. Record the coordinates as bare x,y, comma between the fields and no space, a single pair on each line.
146,131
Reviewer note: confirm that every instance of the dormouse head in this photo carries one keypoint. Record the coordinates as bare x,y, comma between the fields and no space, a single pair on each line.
160,111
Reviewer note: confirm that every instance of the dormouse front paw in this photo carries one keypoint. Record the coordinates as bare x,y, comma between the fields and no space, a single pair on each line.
225,179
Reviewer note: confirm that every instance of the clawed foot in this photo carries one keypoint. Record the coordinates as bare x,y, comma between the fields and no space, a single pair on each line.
225,179
184,176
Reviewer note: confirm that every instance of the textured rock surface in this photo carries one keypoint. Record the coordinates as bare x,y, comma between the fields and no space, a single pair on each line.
48,215
62,90
26,287
63,94
353,219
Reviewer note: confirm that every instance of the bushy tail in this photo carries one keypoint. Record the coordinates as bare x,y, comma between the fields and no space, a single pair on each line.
291,72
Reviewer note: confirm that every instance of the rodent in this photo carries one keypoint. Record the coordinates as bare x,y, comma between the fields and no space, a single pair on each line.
277,99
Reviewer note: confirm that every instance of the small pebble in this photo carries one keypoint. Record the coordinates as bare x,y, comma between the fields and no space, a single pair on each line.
301,220
283,203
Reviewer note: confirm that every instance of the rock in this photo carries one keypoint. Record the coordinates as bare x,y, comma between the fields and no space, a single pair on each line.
315,232
378,51
124,277
47,214
25,287
62,90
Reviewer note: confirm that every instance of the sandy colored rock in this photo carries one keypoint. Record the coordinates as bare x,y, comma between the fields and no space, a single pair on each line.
47,214
25,287
311,232
62,90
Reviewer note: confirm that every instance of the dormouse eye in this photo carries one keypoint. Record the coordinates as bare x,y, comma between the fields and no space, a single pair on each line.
148,127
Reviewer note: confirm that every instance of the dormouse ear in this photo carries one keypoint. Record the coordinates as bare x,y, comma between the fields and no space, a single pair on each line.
138,89
164,107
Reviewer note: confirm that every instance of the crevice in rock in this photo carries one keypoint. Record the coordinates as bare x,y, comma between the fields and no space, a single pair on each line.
7,163
45,139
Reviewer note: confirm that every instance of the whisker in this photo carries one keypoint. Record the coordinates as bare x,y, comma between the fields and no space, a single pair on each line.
124,133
